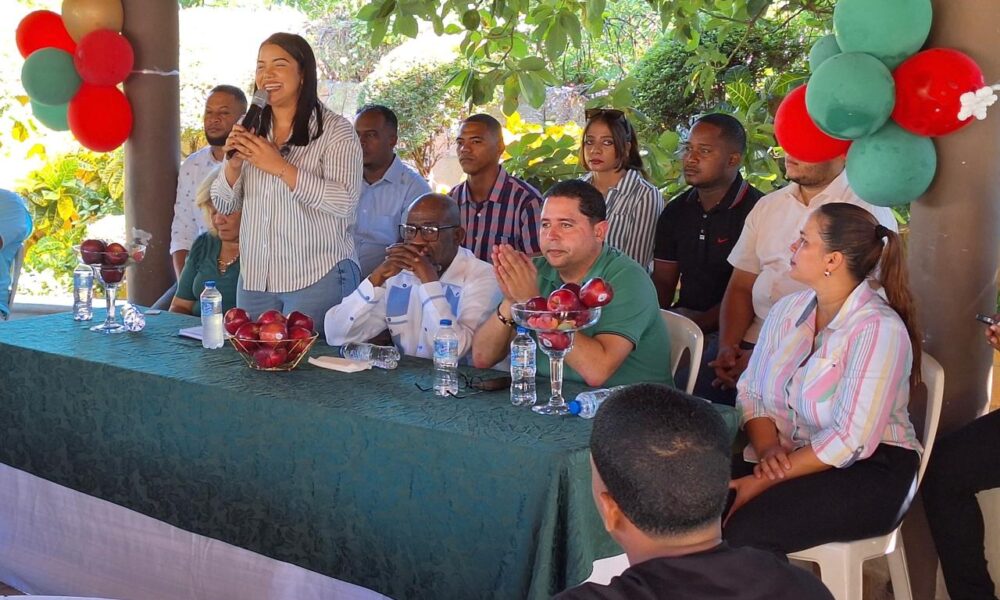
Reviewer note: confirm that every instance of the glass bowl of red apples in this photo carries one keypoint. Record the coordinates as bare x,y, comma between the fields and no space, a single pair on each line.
554,320
109,260
274,342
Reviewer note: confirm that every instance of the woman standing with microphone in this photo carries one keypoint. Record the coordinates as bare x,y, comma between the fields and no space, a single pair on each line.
297,180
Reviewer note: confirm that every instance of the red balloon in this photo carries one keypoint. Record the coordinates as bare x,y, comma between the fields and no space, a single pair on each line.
798,134
43,29
100,117
929,86
104,57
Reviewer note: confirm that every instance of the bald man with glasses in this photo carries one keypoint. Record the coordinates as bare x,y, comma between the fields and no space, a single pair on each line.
426,277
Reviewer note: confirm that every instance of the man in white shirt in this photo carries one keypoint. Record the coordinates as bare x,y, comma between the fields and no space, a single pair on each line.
387,189
426,278
15,228
761,263
224,106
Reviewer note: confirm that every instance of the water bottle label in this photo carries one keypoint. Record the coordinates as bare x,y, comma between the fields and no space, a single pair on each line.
207,307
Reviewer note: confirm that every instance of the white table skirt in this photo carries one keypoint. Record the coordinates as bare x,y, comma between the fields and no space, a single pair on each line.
54,540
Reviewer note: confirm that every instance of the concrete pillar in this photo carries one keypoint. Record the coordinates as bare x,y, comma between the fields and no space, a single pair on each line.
954,251
152,154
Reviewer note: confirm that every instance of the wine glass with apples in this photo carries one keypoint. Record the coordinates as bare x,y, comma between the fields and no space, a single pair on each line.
555,321
109,261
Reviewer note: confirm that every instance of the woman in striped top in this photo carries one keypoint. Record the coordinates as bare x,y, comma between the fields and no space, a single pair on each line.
297,181
610,153
832,453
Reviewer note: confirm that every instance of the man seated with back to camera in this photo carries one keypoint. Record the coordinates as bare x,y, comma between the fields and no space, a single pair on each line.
629,343
660,475
426,278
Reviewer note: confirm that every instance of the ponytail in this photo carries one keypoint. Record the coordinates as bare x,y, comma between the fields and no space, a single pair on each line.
895,280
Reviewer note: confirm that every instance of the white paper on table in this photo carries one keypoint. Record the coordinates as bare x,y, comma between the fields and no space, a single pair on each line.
195,333
344,365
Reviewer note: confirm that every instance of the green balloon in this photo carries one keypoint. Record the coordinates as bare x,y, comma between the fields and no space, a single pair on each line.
49,77
824,48
890,30
851,95
53,117
891,167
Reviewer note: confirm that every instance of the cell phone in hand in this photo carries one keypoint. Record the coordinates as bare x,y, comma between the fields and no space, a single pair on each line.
987,319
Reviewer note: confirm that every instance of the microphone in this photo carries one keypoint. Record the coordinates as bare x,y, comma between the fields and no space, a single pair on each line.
252,119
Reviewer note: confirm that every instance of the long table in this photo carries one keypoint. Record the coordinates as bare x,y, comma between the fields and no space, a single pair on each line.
361,477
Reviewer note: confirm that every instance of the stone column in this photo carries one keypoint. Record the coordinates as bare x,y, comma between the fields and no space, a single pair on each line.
152,153
954,251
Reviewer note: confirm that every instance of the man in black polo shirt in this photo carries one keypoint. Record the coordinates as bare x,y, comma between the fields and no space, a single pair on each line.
660,471
698,228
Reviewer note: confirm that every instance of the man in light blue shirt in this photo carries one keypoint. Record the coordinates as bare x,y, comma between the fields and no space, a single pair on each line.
15,227
388,187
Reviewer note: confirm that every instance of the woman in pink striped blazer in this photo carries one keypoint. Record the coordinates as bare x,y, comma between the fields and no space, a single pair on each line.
832,454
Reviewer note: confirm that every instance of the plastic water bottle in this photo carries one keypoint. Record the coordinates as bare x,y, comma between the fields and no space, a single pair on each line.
133,318
83,293
383,357
213,335
446,360
522,369
586,403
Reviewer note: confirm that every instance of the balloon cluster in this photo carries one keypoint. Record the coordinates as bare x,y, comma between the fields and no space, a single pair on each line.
73,65
876,97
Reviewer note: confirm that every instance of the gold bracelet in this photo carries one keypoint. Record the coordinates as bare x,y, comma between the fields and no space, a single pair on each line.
503,319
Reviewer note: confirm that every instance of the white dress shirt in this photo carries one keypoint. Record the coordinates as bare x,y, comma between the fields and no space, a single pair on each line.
764,247
189,222
290,239
467,293
380,212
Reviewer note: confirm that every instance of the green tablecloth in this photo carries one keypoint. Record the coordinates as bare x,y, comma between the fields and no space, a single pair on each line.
361,476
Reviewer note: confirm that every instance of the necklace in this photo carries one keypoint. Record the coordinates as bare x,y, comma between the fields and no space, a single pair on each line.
223,266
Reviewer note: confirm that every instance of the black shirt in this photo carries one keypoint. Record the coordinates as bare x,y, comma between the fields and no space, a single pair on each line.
701,241
723,572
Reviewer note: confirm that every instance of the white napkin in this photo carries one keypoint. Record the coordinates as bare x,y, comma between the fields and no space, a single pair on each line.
195,333
344,365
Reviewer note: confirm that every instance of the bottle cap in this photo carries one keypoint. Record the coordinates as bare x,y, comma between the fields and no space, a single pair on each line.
574,407
522,330
445,322
210,283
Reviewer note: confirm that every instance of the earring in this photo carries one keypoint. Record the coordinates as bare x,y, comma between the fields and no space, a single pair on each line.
826,273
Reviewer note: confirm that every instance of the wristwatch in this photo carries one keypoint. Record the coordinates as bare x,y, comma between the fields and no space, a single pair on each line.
503,319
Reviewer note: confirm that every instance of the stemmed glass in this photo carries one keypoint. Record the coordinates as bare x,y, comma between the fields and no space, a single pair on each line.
555,332
112,276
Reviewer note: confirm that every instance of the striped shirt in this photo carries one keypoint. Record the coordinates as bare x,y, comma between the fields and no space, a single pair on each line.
634,205
848,396
289,239
509,215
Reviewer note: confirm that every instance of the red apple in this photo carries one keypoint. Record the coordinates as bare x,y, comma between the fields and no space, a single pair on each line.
298,339
596,292
554,340
272,334
537,303
234,319
573,287
92,252
271,316
248,334
112,274
563,300
115,254
546,321
297,319
269,358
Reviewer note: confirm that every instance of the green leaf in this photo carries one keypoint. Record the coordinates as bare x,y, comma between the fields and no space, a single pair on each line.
471,19
511,90
531,63
555,42
595,17
378,30
740,94
571,24
406,25
368,11
533,88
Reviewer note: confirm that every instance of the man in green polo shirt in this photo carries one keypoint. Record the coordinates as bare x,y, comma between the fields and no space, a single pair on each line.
629,344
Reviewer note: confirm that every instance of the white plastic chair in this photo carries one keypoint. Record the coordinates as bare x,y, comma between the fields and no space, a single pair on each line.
15,273
684,334
840,562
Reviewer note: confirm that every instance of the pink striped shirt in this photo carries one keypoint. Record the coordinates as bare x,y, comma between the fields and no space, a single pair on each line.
848,396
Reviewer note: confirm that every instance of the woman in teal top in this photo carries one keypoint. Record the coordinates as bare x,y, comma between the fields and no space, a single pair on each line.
215,255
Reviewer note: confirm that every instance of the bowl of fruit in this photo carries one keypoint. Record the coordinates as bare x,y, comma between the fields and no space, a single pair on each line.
109,261
554,320
274,342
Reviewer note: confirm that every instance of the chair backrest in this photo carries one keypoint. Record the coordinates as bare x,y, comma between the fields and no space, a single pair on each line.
933,377
684,334
15,273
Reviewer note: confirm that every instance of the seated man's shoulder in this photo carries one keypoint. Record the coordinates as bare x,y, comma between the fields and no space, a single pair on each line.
530,192
198,159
